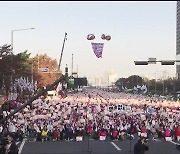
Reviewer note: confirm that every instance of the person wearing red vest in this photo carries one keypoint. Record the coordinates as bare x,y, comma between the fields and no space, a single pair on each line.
89,129
167,132
55,134
115,134
102,132
177,132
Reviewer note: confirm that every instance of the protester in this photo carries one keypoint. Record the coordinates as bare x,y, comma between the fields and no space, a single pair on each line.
44,133
141,146
10,147
56,134
177,133
96,113
32,133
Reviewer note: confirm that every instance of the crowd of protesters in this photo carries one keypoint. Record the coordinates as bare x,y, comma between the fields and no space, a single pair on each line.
98,114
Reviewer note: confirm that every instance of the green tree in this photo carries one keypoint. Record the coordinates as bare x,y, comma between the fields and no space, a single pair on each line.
22,64
134,80
12,66
5,54
121,82
129,82
5,50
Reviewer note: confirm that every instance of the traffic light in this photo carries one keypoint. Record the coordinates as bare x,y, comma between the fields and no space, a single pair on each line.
66,72
167,62
141,62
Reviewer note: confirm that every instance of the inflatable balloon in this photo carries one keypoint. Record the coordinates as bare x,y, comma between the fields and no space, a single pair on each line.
91,37
103,36
108,37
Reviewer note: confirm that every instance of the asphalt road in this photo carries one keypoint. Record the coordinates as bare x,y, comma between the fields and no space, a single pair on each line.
95,147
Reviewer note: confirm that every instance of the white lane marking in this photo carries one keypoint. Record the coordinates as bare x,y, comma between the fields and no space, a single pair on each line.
21,146
174,142
17,142
156,139
115,146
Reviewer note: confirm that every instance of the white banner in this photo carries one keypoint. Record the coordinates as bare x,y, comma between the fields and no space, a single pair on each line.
98,49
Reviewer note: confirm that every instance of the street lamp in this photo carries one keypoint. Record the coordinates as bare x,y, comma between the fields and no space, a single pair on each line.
12,32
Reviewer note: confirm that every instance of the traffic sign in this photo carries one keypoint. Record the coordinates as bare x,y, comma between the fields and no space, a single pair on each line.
141,62
44,69
152,60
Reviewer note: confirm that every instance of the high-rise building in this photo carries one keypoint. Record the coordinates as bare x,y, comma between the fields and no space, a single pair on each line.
111,77
178,39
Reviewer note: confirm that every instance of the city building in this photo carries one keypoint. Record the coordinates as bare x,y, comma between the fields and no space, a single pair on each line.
110,77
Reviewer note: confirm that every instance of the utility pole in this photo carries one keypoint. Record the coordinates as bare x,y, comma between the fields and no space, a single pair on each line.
38,62
77,70
66,72
164,74
174,84
72,66
32,73
155,84
137,79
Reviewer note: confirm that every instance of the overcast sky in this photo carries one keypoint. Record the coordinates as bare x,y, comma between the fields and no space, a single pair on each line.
139,30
